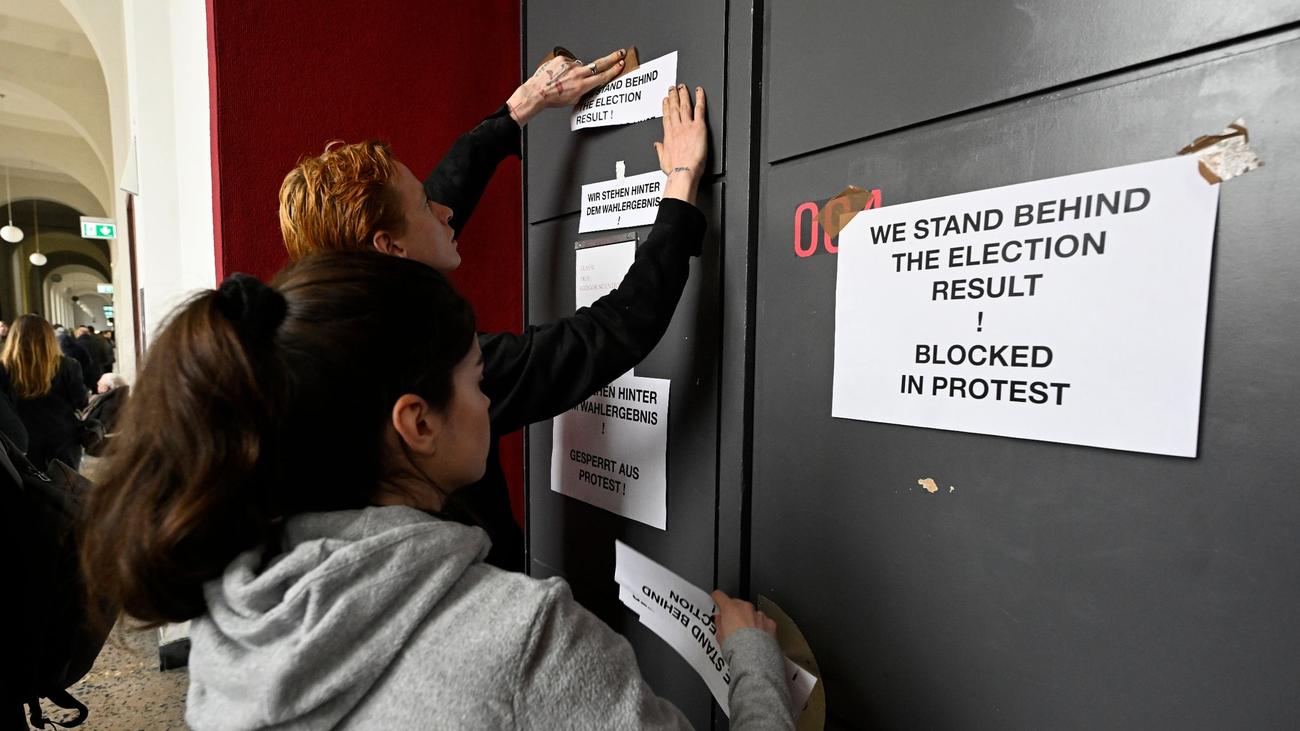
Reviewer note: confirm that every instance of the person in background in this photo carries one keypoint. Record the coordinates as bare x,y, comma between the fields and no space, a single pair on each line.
100,351
359,197
109,382
4,332
48,391
331,592
107,335
69,346
107,402
111,339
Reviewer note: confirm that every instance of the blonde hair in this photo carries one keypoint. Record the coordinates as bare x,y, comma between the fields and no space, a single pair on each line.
31,356
337,200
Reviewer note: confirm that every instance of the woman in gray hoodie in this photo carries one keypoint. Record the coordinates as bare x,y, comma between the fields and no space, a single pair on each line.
278,479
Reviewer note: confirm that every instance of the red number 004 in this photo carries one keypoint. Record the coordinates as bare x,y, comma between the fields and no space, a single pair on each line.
805,247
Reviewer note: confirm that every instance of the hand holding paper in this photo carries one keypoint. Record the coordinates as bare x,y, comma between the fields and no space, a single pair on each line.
560,82
734,614
690,621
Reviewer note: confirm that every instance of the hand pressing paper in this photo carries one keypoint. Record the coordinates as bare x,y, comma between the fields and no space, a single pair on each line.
682,615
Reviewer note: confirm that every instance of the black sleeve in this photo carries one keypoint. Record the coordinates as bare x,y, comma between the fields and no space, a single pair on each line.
552,367
73,387
10,423
464,172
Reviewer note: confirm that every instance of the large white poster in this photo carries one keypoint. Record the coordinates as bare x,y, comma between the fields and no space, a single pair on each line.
1070,310
612,450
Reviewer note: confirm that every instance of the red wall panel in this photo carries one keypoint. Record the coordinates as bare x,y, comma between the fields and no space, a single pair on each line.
287,77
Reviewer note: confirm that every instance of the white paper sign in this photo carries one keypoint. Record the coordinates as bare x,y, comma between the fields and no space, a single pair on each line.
799,683
601,269
681,614
622,202
1069,310
635,96
612,450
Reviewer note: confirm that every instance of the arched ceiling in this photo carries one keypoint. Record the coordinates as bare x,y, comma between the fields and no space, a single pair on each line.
74,280
60,229
55,130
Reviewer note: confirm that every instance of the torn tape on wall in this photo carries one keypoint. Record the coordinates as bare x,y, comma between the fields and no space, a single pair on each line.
630,61
1224,156
841,209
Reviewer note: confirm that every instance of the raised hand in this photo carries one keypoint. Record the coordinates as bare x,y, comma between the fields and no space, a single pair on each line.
561,82
686,142
734,614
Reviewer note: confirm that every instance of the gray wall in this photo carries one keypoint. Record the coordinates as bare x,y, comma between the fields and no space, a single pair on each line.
1059,586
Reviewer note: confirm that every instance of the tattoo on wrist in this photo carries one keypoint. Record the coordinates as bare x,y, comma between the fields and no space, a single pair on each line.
679,170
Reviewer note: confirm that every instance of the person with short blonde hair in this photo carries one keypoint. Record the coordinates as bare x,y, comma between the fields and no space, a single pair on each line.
359,197
355,197
335,200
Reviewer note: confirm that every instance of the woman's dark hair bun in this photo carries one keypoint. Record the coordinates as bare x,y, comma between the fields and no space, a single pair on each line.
255,309
256,403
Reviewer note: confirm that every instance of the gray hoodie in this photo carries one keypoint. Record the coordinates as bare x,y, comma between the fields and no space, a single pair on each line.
388,618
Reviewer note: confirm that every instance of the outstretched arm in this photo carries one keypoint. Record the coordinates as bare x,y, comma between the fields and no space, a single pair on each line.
550,368
576,672
463,173
758,697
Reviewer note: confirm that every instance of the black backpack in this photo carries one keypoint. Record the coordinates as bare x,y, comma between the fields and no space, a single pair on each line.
52,644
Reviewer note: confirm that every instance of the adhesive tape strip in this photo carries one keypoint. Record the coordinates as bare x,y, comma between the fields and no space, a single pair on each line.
841,209
1226,155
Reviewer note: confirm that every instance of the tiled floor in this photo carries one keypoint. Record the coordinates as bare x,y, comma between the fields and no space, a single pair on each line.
126,691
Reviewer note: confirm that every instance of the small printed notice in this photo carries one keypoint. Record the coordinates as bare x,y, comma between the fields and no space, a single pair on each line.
681,614
612,450
635,96
1070,310
601,269
622,202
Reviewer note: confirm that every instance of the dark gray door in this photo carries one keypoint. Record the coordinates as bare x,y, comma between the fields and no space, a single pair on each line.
1057,586
575,540
704,350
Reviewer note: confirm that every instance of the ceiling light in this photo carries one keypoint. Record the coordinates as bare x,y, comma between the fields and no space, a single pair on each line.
10,233
37,258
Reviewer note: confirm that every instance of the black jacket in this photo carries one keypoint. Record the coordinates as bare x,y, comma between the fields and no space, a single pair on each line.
90,372
547,369
10,423
51,420
100,351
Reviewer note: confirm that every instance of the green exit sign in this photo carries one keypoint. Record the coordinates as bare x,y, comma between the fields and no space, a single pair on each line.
98,228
